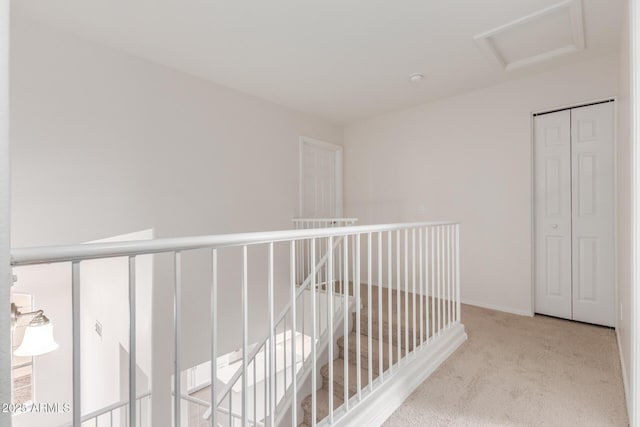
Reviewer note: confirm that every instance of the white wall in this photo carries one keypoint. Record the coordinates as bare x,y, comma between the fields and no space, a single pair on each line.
624,210
105,143
468,158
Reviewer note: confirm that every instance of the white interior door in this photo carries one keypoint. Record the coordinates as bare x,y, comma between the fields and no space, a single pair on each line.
592,152
320,179
574,214
552,147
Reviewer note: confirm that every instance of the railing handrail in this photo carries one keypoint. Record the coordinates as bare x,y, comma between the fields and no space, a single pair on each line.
66,253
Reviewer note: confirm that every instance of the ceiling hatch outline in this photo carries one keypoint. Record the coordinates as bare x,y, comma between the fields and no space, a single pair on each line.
562,21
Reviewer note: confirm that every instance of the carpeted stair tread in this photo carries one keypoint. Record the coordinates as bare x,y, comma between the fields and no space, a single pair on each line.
364,351
322,406
338,377
393,330
394,295
390,325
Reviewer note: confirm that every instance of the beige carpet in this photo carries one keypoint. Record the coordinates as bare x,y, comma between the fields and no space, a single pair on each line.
516,371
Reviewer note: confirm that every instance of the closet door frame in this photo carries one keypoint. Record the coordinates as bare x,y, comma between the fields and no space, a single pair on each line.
615,191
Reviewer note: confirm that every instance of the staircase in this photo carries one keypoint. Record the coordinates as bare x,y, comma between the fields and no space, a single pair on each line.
384,331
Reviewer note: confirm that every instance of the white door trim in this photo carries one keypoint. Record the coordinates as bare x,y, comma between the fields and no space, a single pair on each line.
305,140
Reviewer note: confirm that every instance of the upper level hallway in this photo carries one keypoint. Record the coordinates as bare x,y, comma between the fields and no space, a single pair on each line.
515,370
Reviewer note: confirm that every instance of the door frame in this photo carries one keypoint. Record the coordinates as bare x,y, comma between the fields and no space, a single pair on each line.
532,177
312,142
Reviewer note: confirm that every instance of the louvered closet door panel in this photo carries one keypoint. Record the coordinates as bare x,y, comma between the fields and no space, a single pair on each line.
552,162
592,155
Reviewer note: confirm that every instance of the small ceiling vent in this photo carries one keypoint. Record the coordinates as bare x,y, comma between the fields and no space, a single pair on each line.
543,35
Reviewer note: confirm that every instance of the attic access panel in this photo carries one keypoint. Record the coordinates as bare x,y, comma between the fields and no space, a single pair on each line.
543,35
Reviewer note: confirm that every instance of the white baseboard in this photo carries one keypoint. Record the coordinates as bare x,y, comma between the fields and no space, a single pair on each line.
497,308
625,378
376,407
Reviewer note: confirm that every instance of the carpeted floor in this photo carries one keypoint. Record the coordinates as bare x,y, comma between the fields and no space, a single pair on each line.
517,371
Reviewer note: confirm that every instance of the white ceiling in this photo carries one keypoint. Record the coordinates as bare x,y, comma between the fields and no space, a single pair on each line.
340,59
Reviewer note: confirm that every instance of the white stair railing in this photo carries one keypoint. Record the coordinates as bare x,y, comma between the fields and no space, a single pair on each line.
284,325
117,414
303,250
199,410
417,265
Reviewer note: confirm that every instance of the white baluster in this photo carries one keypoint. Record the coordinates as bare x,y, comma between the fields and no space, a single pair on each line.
314,370
294,406
369,304
177,324
433,282
449,275
272,343
347,315
389,296
214,337
76,349
358,303
380,310
458,273
413,274
330,322
255,387
398,287
439,282
132,341
421,284
245,336
406,291
426,283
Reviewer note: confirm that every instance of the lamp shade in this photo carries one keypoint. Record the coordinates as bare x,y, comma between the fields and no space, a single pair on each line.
37,340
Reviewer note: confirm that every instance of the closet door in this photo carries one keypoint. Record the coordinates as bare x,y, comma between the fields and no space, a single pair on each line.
552,239
592,153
